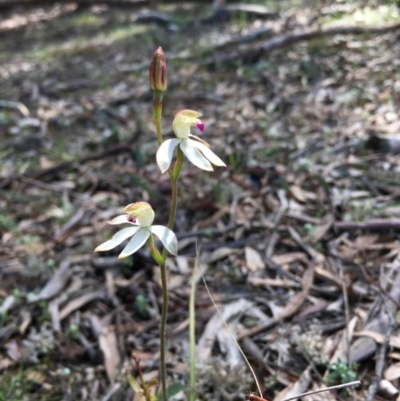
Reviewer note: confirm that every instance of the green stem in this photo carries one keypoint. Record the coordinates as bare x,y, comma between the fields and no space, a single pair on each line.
192,334
174,174
174,203
163,326
157,111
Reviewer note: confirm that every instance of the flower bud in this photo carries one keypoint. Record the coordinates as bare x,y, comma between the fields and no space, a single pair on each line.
158,71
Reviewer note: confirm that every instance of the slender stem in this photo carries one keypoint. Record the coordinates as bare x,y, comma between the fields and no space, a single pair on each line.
157,111
174,174
163,326
174,203
192,334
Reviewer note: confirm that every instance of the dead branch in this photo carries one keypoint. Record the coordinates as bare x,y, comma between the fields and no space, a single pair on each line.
6,5
48,173
371,225
281,41
380,364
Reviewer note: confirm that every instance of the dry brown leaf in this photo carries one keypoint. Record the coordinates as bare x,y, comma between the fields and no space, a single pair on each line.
317,256
74,222
253,259
298,387
342,350
109,346
362,243
365,242
295,302
215,324
55,285
321,230
298,194
365,346
320,271
394,355
26,316
271,282
6,363
218,254
392,372
78,303
8,304
379,338
227,344
288,258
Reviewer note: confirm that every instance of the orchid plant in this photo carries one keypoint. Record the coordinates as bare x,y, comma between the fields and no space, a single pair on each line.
140,215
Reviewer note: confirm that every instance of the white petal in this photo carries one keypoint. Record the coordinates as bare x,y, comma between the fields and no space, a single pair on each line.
117,239
194,155
209,154
165,153
167,237
135,243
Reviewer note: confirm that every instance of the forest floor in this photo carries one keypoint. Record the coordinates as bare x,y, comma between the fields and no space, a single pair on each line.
298,236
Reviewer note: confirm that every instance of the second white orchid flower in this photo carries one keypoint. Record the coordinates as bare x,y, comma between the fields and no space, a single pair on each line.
141,216
195,149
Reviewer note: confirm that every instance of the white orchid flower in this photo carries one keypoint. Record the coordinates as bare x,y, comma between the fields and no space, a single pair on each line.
196,150
140,215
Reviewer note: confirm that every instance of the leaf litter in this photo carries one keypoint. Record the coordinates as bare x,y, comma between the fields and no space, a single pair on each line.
302,227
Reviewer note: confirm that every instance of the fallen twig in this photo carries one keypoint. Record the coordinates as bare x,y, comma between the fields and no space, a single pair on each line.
8,104
338,387
58,168
373,225
281,41
380,363
9,4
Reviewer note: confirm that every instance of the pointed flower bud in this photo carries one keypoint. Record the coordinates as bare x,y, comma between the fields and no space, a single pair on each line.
158,71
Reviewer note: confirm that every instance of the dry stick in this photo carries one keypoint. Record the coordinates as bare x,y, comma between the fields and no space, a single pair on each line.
49,187
373,388
281,41
338,387
373,225
378,285
111,151
273,237
10,4
15,105
346,312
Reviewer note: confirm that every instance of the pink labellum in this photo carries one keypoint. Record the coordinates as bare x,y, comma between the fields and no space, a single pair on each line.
200,126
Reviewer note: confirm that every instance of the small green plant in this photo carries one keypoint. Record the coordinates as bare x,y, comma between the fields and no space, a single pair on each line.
309,229
13,386
142,304
72,331
340,373
6,223
44,315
